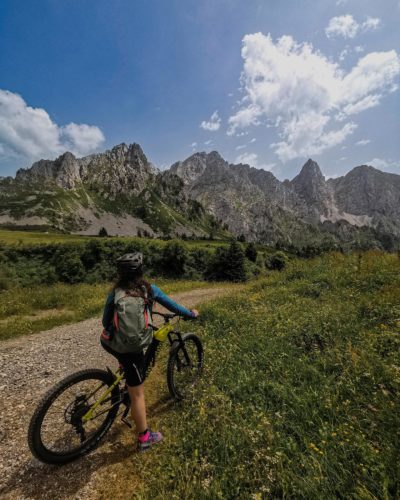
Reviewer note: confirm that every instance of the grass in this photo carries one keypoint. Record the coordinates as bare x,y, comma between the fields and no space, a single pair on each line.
24,311
300,395
15,237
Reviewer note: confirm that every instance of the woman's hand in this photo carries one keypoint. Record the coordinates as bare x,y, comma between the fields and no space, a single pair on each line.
195,313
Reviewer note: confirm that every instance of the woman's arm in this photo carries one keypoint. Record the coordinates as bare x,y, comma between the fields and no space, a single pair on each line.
163,299
108,313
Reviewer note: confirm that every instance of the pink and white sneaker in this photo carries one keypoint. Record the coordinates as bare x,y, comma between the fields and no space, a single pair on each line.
145,441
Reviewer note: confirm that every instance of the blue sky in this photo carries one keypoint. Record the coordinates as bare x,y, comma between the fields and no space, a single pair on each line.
319,79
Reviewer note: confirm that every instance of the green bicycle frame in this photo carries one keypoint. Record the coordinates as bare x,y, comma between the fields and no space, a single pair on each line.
161,335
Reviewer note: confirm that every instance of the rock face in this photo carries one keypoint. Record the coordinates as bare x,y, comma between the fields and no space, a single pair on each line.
254,203
204,194
123,169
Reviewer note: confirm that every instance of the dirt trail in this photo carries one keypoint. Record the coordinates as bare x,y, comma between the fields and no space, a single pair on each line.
32,364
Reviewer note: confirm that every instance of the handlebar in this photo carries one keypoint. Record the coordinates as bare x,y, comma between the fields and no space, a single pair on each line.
168,316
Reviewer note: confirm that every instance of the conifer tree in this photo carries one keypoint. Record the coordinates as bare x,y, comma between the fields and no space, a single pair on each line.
251,252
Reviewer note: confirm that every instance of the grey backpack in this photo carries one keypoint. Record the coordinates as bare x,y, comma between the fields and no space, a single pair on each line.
132,324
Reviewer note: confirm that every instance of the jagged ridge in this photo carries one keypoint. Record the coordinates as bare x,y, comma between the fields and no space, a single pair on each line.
122,190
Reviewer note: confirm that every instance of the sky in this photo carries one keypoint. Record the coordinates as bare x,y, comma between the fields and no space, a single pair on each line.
263,82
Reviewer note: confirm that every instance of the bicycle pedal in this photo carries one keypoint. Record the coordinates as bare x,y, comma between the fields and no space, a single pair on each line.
125,421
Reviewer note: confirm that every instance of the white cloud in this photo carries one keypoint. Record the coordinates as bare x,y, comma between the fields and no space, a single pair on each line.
81,137
347,27
252,140
296,89
207,143
247,158
359,49
344,53
29,134
363,142
383,164
213,124
341,2
371,24
252,160
241,146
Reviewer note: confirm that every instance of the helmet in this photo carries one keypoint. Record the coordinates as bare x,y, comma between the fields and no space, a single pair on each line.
130,262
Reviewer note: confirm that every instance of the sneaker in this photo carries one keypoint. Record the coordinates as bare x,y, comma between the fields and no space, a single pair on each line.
145,441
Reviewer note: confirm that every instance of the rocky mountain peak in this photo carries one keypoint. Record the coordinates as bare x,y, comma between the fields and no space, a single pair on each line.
311,187
309,171
190,169
64,171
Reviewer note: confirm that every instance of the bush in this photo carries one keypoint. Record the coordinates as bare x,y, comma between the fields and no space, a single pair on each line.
251,252
277,261
70,269
228,264
174,257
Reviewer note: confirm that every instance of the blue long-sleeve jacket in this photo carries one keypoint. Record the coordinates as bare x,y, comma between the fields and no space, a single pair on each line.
157,295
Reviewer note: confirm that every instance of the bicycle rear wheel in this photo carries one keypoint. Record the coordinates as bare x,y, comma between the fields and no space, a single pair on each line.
185,364
57,433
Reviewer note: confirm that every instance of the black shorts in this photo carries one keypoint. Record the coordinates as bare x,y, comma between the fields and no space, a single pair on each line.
133,364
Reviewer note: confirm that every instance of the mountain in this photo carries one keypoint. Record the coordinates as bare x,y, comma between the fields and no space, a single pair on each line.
123,192
255,203
118,189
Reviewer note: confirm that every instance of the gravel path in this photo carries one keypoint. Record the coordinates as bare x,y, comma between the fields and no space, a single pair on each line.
32,364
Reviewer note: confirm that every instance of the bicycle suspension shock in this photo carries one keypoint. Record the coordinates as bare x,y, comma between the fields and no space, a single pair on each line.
151,355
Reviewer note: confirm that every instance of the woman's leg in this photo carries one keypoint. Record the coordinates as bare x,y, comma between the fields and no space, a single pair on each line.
138,407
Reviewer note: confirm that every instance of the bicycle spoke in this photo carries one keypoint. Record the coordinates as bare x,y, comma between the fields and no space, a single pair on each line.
62,426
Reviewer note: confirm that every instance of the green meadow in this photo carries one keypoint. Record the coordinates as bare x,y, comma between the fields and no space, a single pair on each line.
300,395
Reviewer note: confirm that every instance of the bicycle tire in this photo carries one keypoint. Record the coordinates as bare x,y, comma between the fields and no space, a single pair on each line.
36,445
177,390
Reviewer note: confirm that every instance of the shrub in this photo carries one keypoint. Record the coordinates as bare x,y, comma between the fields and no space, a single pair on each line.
251,252
228,264
174,257
277,261
103,232
70,269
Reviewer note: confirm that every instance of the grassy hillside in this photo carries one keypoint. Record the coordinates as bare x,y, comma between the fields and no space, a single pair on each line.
300,396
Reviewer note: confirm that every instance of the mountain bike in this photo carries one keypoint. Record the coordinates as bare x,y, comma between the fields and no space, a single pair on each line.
75,414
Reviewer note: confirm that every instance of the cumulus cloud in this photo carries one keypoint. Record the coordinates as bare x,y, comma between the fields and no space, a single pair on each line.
29,134
363,142
304,95
213,124
252,160
347,27
383,164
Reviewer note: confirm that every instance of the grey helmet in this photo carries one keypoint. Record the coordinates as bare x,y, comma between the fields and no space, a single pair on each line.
130,262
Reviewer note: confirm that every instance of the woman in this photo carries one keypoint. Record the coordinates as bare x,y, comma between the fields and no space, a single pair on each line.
130,280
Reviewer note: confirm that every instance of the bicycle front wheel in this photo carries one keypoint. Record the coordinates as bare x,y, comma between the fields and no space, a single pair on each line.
58,433
185,364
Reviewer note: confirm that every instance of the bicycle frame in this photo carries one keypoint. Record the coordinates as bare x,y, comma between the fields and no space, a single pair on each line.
161,334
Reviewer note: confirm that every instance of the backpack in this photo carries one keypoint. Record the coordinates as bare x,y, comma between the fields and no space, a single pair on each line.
133,331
